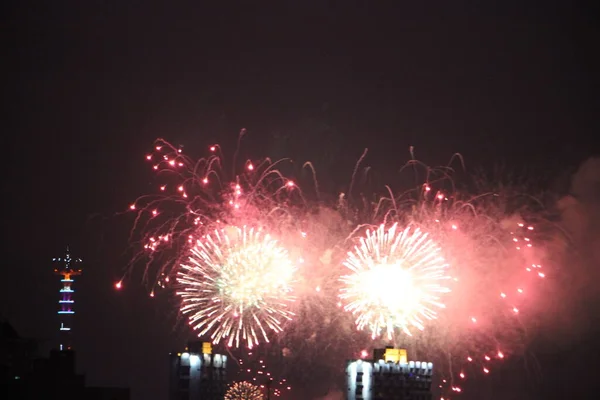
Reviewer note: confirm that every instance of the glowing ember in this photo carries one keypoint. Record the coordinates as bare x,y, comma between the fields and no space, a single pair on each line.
243,391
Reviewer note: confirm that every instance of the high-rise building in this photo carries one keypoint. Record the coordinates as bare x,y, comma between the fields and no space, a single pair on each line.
389,375
67,270
197,374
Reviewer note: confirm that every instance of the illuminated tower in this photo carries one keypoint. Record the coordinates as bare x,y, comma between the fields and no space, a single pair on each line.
69,268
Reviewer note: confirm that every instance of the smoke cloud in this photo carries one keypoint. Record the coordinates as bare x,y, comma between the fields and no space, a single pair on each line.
580,212
333,394
578,270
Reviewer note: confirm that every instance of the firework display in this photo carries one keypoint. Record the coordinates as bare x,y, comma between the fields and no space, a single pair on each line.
195,197
243,391
255,369
448,274
237,285
492,265
207,233
412,268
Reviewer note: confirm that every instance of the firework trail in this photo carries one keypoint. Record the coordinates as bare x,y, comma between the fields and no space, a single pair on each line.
237,285
243,391
195,197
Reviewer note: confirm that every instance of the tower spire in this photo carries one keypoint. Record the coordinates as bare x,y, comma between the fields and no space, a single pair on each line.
66,268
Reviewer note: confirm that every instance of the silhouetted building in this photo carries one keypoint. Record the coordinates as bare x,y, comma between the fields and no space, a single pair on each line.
26,378
16,353
55,377
197,373
389,375
102,393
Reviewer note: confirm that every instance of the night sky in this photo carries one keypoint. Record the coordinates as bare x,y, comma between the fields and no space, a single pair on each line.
90,85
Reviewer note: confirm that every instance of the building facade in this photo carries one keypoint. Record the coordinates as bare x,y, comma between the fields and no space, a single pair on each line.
389,375
197,374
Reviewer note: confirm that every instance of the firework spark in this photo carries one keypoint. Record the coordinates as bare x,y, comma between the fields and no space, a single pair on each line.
254,369
243,391
237,285
396,280
195,197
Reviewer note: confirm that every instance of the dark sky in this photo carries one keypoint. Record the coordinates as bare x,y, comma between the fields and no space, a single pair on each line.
93,83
